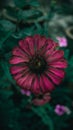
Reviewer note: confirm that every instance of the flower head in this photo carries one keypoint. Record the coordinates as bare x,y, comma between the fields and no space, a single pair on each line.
62,41
41,101
61,109
37,65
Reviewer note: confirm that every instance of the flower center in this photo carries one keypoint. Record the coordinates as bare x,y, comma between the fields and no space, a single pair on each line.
37,65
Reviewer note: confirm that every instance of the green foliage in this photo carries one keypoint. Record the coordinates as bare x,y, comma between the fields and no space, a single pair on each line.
24,3
69,72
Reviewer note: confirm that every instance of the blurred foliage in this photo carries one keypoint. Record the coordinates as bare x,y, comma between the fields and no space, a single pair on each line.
18,20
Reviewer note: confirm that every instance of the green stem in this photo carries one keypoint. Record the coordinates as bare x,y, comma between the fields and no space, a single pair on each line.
40,111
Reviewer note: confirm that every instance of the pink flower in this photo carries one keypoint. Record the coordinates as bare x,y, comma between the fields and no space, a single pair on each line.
62,41
61,109
25,92
45,99
37,65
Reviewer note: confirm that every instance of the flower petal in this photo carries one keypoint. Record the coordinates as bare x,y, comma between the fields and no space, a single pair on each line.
56,55
25,92
51,44
58,64
28,82
42,85
31,45
24,46
48,85
35,87
40,44
50,47
57,72
17,69
21,80
18,52
57,80
17,60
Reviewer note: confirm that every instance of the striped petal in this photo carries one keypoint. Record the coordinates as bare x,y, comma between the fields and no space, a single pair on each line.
31,45
47,84
19,53
56,55
17,60
35,86
18,69
24,46
58,64
57,80
29,81
57,72
21,80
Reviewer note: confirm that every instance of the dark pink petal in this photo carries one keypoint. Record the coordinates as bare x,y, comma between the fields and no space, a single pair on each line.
42,85
58,52
36,39
35,86
21,74
41,43
18,52
21,80
29,81
58,64
50,50
56,55
18,76
17,60
48,85
24,46
51,44
57,72
29,40
17,69
50,47
57,80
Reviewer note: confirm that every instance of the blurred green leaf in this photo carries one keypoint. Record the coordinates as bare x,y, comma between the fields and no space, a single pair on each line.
7,25
24,15
24,3
40,111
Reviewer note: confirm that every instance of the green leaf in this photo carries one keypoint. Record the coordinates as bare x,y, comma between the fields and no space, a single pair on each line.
40,111
7,25
20,3
4,37
23,33
5,67
66,53
34,3
5,94
24,15
23,3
